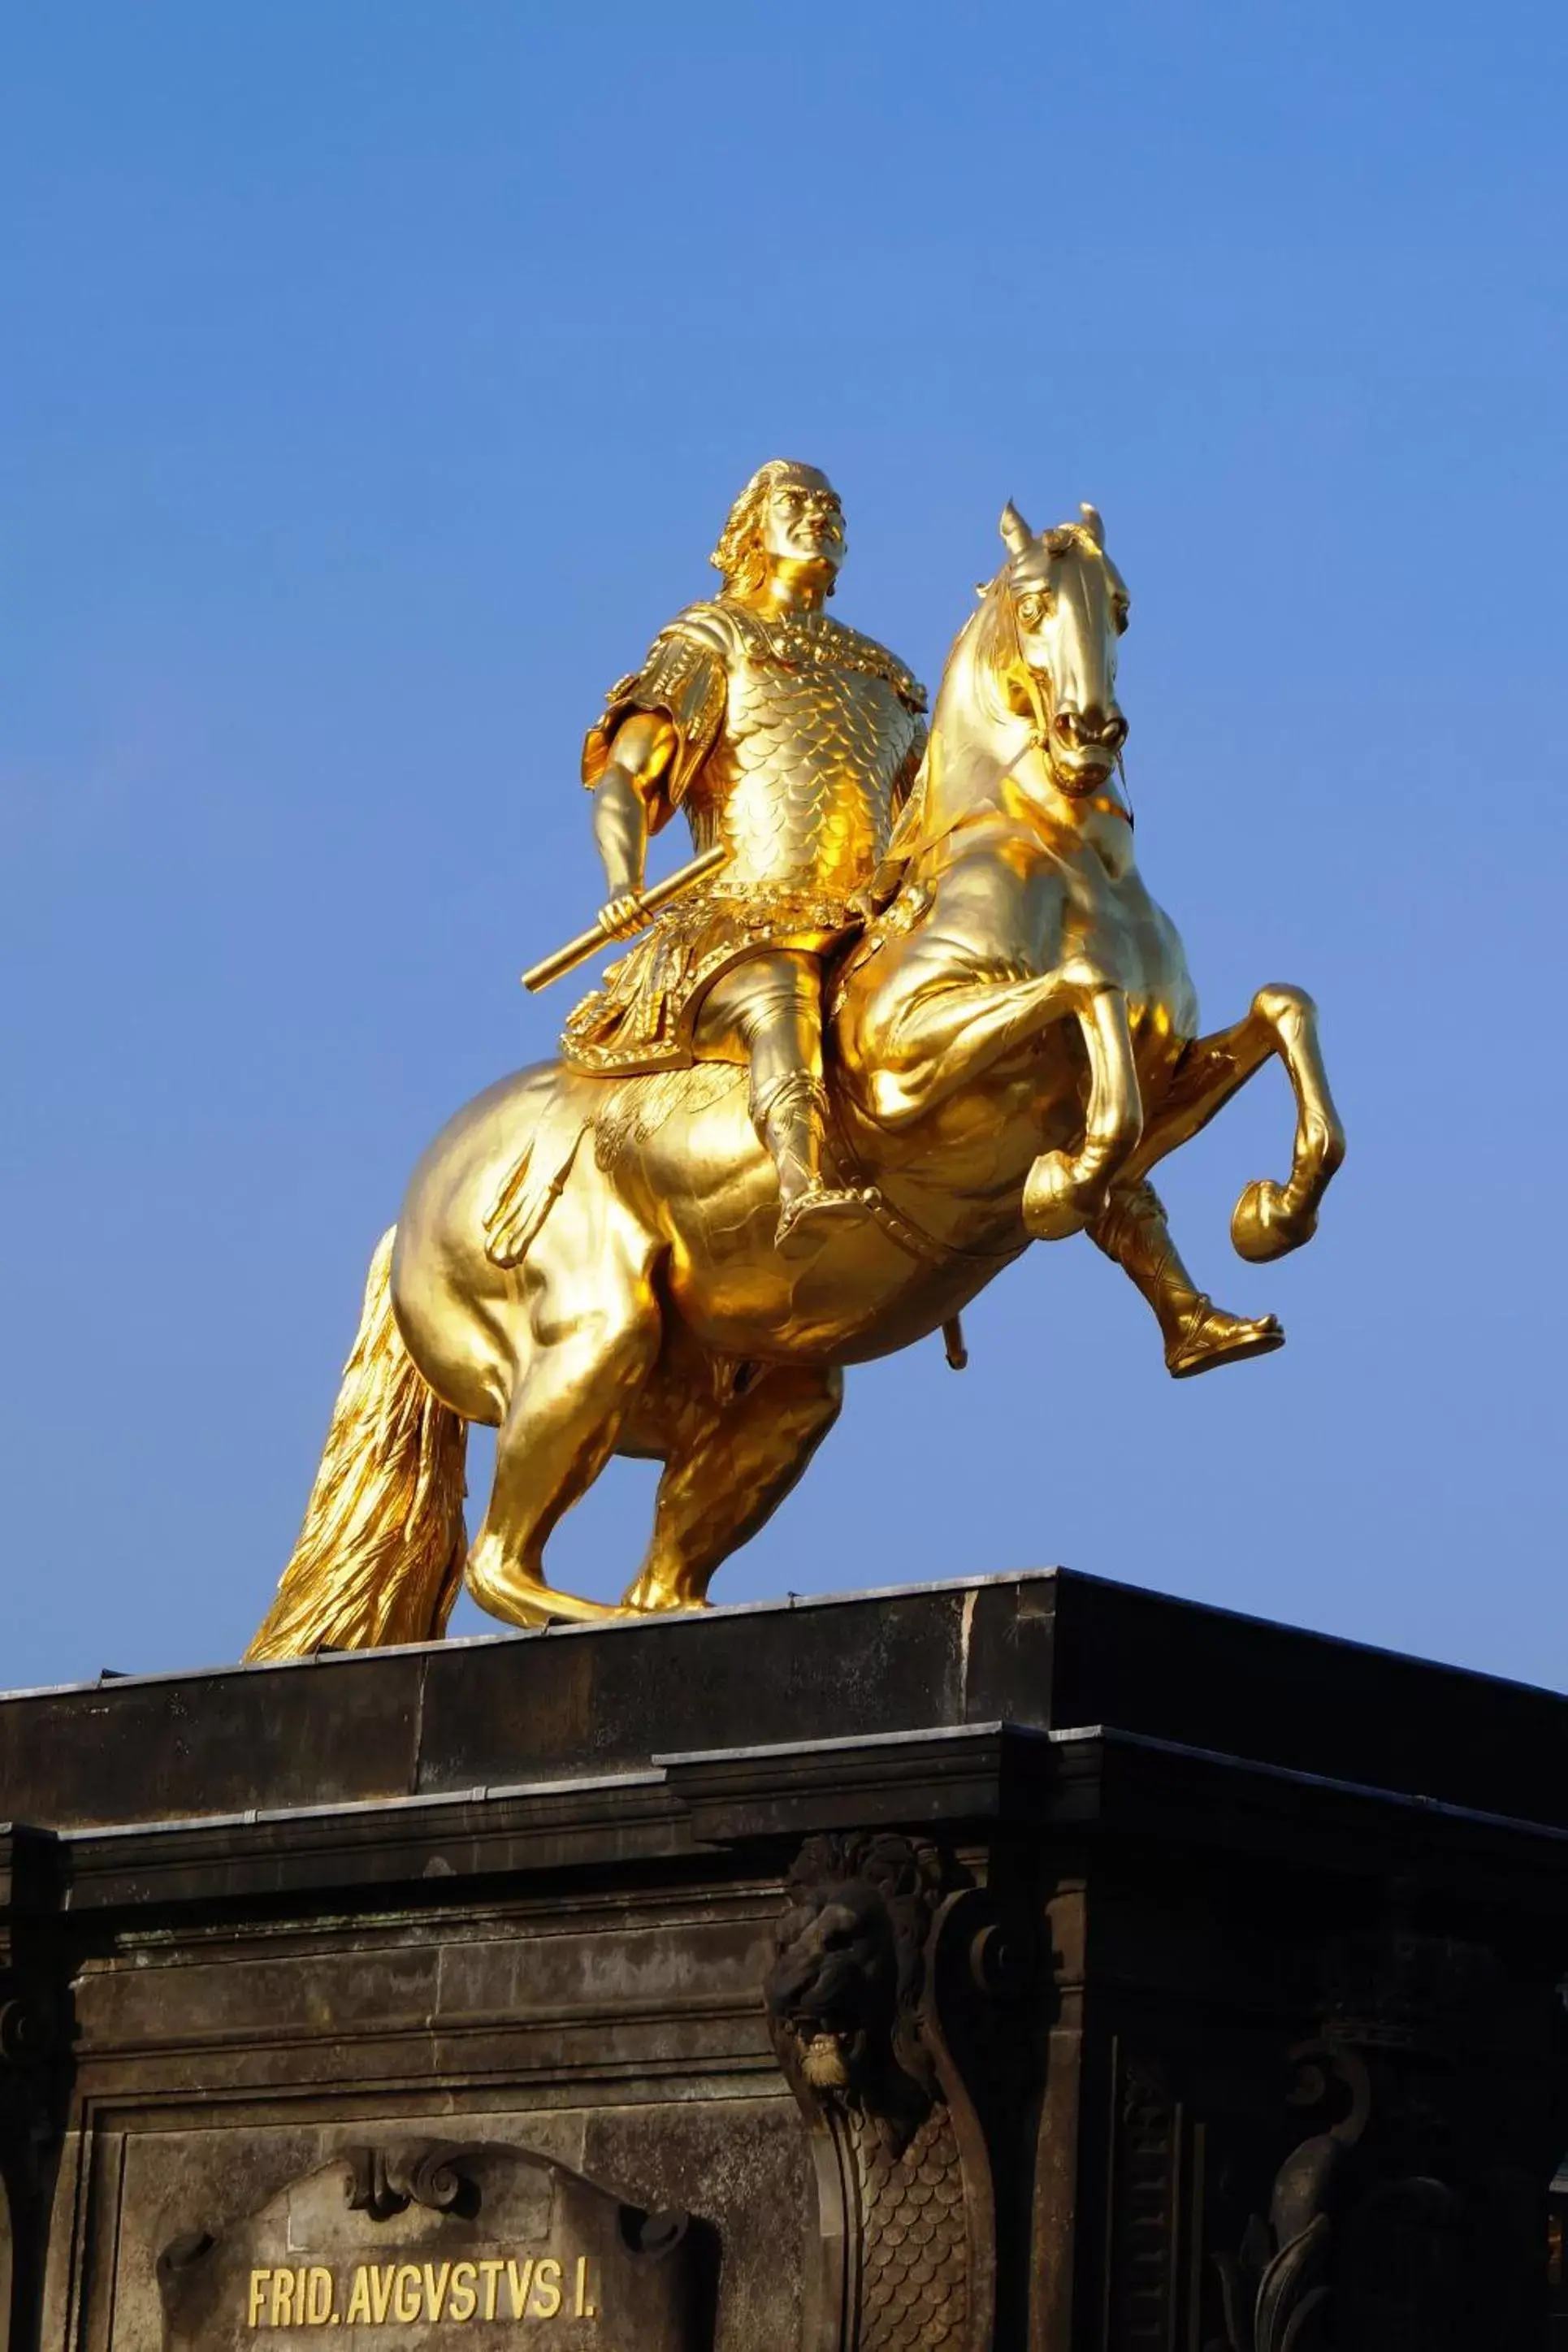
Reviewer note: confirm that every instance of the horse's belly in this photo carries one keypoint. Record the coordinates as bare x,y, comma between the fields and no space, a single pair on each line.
857,1299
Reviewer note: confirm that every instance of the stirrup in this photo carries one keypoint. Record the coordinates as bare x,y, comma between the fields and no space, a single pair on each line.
819,1202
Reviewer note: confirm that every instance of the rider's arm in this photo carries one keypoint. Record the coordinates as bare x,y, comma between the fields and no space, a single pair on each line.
641,750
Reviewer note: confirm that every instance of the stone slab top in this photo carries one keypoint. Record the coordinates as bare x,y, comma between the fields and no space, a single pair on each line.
1047,1651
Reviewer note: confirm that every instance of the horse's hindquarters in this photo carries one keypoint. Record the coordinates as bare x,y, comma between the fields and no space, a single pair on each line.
464,1317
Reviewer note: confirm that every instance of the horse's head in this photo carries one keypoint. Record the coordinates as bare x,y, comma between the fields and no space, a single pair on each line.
1049,625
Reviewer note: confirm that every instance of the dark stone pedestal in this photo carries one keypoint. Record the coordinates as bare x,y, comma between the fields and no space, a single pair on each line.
1029,1962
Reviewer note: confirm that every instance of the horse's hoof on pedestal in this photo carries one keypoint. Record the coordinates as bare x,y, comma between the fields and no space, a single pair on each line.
652,1596
1262,1227
1051,1211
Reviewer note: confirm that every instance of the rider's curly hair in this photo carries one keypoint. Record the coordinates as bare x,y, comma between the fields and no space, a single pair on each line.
739,554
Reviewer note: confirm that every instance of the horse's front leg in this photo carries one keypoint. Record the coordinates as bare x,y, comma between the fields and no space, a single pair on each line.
933,1027
1066,1191
1269,1219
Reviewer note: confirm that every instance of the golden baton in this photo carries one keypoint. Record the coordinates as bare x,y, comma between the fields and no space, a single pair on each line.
649,904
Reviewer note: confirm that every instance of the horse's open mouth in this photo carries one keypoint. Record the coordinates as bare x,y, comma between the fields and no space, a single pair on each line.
1082,771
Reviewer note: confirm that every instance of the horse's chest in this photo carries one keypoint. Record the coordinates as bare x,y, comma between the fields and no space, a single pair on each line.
1110,922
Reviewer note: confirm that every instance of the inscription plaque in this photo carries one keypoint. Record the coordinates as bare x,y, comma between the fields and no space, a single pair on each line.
428,2243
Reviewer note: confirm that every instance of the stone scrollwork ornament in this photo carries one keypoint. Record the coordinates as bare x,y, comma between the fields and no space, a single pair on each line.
1402,2216
910,1008
906,2248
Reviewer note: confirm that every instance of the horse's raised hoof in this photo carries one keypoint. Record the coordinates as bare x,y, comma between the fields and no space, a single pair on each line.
1052,1197
1209,1337
1262,1227
805,1220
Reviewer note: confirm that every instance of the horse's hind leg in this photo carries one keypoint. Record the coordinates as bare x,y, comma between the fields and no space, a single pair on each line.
727,1468
594,1339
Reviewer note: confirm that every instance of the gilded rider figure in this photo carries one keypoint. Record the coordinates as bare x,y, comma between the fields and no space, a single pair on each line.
1018,1055
792,741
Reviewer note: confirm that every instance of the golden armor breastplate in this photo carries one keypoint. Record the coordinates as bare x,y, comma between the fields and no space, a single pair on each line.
798,784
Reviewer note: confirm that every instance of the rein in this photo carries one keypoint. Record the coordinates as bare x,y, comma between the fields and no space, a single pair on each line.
1040,734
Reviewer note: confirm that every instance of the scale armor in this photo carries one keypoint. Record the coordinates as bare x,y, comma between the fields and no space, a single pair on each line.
797,740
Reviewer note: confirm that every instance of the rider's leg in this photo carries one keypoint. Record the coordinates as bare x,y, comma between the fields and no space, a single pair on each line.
770,1006
1132,1229
727,1468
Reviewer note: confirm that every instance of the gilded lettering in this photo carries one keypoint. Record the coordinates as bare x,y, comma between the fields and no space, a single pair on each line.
462,2301
373,2294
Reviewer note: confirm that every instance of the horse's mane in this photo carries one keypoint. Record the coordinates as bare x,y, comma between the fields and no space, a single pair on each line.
971,687
994,642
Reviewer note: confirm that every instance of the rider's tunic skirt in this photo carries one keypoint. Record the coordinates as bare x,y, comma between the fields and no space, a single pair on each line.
797,740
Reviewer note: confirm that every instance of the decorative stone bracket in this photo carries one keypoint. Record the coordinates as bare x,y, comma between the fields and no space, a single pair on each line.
1408,2212
887,1965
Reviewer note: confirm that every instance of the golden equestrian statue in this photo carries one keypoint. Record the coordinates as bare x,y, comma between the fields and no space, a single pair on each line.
844,1081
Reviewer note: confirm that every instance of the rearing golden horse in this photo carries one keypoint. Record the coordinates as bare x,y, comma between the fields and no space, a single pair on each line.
590,1266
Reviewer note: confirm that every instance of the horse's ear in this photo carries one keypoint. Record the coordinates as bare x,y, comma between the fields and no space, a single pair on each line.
1093,525
1016,532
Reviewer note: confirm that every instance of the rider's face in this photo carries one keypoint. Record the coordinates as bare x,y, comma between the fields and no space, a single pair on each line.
802,521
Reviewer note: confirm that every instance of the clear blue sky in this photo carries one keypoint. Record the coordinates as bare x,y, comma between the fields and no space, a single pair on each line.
373,380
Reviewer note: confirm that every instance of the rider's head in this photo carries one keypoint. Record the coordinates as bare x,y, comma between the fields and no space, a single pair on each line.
787,515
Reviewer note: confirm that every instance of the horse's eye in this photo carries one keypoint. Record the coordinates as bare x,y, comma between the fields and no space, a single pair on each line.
1032,610
1120,613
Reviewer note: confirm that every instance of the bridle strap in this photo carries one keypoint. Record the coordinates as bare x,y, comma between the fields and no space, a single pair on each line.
1042,734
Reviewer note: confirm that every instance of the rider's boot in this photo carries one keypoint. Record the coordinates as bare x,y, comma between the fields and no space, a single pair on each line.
793,1123
1199,1336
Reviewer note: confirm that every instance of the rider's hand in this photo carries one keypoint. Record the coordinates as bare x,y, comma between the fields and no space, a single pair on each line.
876,896
621,916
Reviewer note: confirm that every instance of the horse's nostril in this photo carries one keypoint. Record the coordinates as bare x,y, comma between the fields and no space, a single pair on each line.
1080,727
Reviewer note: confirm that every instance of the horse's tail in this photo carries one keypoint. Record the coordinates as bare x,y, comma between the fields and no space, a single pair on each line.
380,1555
